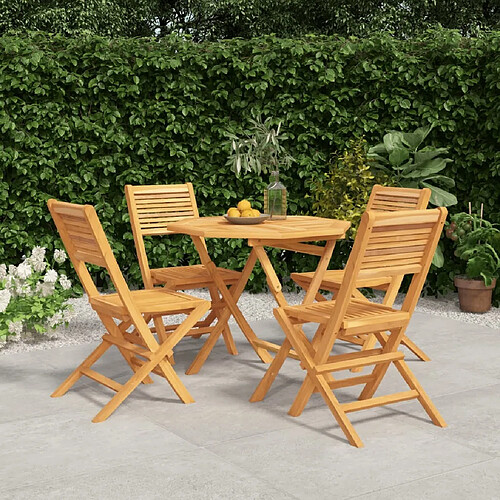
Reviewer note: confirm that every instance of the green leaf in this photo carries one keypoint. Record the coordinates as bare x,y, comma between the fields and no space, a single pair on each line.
392,140
414,139
429,153
444,181
440,197
378,149
398,156
424,170
438,258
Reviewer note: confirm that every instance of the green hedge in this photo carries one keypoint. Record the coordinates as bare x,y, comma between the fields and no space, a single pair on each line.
80,118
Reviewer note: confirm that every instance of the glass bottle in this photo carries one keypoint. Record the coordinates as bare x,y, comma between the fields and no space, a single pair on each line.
275,198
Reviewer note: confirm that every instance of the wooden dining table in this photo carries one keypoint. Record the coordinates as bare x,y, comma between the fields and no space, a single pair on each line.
295,233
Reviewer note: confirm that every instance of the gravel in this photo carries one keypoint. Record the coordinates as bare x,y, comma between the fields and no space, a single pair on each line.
86,327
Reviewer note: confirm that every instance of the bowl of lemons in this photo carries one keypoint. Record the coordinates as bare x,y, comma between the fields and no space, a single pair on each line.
243,213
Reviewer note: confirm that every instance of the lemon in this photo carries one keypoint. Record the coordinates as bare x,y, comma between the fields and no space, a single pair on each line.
233,212
247,213
244,205
255,212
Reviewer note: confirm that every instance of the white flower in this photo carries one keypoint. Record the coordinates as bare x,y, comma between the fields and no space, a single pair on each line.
24,290
3,271
38,253
68,315
50,276
5,296
15,327
12,270
45,289
55,320
38,265
10,283
60,256
37,259
65,282
24,270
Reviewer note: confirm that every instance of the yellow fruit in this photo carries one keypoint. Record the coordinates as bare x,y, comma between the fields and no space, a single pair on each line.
255,212
233,212
247,213
244,205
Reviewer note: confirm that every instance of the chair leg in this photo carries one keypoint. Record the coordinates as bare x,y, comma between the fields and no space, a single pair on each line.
423,398
337,411
117,331
77,373
265,384
125,391
415,349
302,398
389,343
175,382
162,335
157,359
369,342
226,332
209,344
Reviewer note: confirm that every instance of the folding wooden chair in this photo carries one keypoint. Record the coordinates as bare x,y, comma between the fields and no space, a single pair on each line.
387,244
151,209
86,243
382,199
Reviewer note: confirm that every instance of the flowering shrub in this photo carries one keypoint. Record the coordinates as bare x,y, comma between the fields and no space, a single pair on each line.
33,295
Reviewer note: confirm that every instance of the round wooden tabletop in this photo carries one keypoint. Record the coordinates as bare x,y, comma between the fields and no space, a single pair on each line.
295,227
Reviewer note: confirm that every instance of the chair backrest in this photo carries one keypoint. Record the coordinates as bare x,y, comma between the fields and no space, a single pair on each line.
390,244
151,209
86,243
392,199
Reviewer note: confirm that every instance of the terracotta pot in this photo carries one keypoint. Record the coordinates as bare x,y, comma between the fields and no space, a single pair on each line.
473,295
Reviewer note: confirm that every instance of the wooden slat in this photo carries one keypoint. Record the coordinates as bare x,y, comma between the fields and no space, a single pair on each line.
380,235
379,401
297,247
393,243
127,345
165,210
409,251
91,258
161,196
270,346
102,379
361,361
349,382
150,219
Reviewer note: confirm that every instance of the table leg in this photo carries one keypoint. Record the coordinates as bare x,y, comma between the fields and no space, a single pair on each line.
319,274
230,298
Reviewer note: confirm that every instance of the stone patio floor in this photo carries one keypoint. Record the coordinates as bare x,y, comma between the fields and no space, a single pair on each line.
222,446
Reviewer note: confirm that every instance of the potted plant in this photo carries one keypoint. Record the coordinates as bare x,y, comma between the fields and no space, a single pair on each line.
478,244
261,151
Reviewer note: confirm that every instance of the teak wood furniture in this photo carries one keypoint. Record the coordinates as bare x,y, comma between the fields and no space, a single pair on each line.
152,209
387,244
293,233
382,199
86,243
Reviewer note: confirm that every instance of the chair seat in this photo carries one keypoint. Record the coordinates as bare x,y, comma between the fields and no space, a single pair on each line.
190,277
333,279
361,316
156,301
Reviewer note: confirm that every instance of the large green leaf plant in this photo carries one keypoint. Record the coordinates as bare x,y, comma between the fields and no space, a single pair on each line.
401,156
